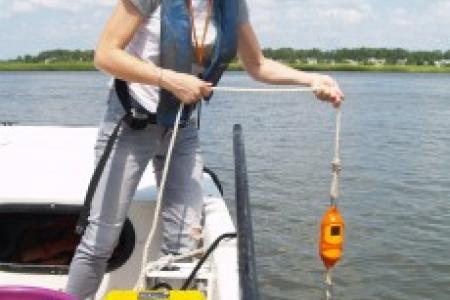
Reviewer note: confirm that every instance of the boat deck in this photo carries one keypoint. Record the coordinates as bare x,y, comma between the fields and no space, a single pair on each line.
52,164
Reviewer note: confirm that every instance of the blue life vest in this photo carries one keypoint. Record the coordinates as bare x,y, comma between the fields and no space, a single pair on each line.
177,49
176,54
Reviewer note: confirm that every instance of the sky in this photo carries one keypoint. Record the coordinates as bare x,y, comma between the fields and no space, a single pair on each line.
30,26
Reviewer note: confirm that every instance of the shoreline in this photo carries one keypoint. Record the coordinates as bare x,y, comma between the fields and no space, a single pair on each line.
88,66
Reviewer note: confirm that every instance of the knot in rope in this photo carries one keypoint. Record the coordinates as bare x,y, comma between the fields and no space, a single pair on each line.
336,166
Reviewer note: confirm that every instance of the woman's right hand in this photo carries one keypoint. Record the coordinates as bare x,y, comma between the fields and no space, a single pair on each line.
188,88
327,89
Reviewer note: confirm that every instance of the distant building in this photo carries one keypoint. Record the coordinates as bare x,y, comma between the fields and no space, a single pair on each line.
442,63
49,60
311,61
351,62
376,61
402,62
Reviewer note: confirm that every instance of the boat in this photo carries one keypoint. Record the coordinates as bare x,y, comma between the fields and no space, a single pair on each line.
45,171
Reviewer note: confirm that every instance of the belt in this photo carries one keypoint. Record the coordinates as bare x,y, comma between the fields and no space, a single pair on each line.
139,120
136,116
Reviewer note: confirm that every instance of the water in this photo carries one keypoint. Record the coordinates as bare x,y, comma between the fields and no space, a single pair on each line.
395,181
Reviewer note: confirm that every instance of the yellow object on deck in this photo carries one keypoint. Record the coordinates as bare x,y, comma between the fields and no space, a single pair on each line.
155,295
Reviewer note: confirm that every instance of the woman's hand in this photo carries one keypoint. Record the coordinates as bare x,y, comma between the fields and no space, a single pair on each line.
188,88
326,89
272,72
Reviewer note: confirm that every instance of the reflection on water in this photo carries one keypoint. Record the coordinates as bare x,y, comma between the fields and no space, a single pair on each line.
395,180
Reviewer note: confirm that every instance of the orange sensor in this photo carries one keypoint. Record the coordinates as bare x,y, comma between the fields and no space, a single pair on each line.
331,237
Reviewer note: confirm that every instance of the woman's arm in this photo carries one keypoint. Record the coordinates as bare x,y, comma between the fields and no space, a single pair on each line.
272,72
111,57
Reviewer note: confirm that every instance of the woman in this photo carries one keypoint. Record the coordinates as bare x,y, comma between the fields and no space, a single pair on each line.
141,45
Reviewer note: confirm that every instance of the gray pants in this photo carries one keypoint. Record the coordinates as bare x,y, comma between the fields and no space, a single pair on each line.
123,170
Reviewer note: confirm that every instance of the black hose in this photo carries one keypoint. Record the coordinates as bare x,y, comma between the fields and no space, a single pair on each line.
211,248
215,179
247,266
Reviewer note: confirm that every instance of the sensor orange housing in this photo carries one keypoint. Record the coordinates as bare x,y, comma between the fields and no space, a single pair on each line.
331,237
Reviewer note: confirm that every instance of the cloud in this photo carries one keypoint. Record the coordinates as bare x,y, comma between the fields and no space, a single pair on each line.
307,23
14,7
349,15
313,13
333,24
30,26
432,15
21,6
441,9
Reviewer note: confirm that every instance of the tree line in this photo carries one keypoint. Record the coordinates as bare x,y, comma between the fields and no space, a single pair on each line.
57,55
290,55
392,56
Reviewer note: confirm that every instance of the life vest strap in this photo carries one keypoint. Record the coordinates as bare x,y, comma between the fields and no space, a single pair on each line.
135,119
85,210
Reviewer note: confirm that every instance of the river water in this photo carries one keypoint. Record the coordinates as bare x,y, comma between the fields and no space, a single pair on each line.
395,179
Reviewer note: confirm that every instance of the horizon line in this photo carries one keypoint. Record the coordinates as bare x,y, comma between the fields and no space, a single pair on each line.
263,48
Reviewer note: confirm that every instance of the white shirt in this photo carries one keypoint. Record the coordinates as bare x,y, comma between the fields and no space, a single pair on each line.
146,46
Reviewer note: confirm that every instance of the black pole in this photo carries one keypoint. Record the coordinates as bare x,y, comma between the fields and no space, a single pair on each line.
247,266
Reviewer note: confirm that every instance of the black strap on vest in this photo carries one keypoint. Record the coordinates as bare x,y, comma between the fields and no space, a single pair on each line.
84,213
135,120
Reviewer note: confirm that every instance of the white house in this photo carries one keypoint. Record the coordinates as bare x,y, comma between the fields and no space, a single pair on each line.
442,63
351,62
311,61
376,61
49,60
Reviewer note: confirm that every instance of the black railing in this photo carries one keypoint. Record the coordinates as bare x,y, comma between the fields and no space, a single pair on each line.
247,266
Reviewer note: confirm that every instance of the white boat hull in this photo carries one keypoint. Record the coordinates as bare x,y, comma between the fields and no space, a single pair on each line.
51,166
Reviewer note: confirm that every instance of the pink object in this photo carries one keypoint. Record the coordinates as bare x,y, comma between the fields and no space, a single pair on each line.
32,293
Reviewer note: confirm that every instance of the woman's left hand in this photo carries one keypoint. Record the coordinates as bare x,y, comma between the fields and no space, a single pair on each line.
327,89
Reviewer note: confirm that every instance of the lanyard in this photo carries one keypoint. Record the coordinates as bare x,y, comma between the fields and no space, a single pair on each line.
199,46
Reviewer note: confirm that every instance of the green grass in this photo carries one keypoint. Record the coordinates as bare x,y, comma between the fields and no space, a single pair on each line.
361,68
88,66
371,68
54,66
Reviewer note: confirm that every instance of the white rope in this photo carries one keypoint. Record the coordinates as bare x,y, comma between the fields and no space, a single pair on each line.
334,192
260,90
156,217
170,259
336,164
328,285
141,280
